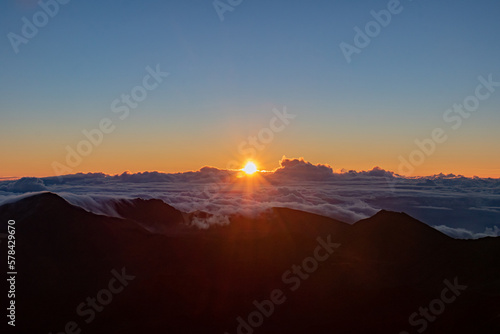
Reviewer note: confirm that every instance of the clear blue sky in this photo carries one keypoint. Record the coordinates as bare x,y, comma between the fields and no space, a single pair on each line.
225,77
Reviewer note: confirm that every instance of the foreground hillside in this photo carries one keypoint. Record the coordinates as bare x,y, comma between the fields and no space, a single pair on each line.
285,271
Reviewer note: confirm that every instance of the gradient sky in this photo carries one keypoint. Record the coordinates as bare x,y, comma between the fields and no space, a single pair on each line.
227,76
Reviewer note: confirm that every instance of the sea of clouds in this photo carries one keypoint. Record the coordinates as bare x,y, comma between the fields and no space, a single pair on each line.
455,205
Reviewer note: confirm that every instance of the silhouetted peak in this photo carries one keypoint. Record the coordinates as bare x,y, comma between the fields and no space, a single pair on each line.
148,211
44,197
392,225
386,214
46,201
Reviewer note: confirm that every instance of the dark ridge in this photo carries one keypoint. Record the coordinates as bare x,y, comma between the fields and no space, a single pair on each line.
385,268
400,223
148,211
44,204
397,236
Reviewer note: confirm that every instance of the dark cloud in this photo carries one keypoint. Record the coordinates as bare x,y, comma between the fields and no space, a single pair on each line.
25,184
302,170
378,172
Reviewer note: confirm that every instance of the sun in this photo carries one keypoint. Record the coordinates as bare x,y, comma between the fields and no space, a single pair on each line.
249,168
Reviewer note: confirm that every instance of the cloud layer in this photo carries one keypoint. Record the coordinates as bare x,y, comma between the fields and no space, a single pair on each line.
458,206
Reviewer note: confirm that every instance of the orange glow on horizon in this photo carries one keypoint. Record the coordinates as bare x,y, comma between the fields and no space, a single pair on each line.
112,162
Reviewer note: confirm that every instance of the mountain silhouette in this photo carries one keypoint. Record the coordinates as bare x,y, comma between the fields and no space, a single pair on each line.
371,276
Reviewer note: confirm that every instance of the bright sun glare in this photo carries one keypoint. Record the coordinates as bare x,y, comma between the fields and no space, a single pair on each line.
250,168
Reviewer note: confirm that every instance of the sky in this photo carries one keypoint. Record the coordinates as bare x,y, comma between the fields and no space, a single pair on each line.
208,80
